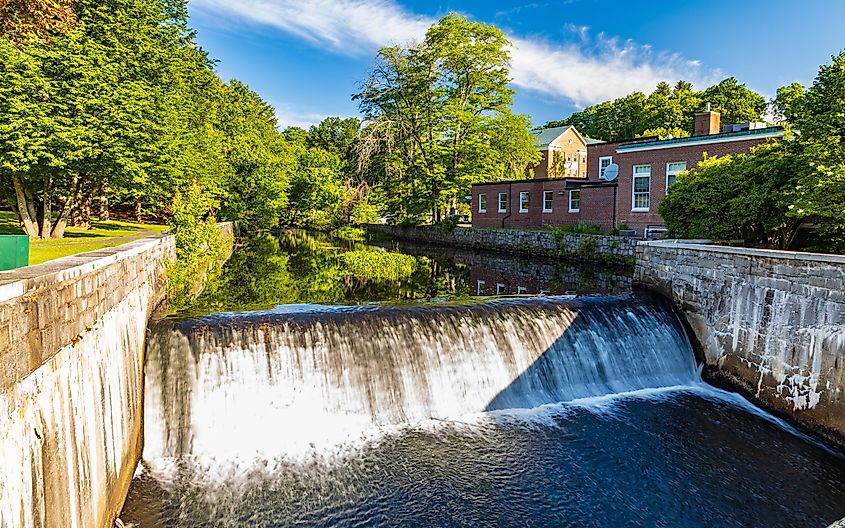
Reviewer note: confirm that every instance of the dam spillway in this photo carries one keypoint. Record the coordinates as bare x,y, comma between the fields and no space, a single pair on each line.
367,367
539,412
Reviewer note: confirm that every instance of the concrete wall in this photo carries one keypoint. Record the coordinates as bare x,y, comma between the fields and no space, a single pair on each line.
771,323
72,337
604,249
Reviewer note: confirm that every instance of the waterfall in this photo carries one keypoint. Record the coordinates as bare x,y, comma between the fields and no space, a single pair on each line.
247,384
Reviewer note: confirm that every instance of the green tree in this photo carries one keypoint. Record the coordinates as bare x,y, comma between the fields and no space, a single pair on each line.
666,110
786,106
735,101
820,123
435,112
740,196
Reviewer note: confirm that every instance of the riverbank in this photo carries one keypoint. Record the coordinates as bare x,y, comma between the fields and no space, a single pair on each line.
603,249
72,336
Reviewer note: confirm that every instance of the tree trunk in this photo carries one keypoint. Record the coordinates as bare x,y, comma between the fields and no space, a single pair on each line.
24,209
104,201
80,213
138,209
45,218
64,212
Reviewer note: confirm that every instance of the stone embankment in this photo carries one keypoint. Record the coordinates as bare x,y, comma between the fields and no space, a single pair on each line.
771,323
584,248
72,335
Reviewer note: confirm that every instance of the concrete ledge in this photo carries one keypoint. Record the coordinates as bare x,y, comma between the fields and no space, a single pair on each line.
570,246
72,337
772,323
705,246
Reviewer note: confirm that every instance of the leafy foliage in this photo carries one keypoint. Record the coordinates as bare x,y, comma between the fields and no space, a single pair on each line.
667,110
439,120
740,196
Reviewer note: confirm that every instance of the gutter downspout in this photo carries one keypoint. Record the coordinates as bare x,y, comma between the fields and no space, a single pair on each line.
510,204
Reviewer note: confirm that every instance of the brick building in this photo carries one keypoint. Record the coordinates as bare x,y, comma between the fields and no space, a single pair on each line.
564,152
646,166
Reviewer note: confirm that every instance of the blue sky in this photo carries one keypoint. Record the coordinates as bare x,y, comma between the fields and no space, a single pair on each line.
307,57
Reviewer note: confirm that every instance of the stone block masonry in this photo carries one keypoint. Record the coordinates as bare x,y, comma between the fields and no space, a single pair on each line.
771,323
574,247
72,335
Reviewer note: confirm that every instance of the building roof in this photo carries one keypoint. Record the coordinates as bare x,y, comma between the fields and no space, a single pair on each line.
591,141
760,133
546,135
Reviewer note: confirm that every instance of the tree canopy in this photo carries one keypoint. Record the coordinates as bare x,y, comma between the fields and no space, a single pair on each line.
666,111
438,118
763,197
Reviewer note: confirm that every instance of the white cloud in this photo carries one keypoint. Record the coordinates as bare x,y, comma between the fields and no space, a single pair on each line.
584,72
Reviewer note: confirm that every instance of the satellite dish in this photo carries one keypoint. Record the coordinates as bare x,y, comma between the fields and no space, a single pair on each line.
610,172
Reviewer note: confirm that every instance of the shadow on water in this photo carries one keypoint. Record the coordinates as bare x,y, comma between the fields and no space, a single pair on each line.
264,417
636,342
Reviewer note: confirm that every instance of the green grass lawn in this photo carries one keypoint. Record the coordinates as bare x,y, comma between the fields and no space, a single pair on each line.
100,235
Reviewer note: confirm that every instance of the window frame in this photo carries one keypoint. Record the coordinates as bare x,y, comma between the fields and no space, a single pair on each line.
499,202
601,169
527,196
501,288
551,201
674,174
634,192
482,196
479,286
570,208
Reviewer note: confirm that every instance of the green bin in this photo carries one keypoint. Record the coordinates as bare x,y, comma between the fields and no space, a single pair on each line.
14,251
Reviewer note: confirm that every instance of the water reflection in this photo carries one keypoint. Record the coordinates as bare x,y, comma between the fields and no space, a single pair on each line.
301,267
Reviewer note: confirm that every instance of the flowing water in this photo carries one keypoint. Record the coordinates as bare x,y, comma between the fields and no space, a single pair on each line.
403,400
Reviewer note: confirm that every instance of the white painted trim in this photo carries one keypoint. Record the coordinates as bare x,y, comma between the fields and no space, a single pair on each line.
569,204
528,194
549,210
480,210
600,160
704,141
499,202
633,186
666,174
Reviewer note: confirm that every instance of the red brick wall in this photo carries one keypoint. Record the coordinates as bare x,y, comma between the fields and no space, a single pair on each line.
597,203
658,160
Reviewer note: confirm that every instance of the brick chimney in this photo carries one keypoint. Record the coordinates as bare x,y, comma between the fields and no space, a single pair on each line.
707,122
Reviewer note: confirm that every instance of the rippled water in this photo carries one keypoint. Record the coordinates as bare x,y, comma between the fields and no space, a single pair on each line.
551,411
688,457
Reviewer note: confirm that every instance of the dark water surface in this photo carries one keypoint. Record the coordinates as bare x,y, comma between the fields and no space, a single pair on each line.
329,383
677,459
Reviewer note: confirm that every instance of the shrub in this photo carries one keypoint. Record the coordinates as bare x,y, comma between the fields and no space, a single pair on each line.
588,246
200,248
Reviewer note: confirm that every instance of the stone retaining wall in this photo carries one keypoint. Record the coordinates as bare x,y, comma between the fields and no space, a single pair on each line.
585,248
72,335
771,323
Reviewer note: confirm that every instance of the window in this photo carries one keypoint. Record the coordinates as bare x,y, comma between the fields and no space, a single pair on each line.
548,196
482,203
604,162
641,199
575,201
500,289
479,287
521,290
672,170
523,202
503,202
